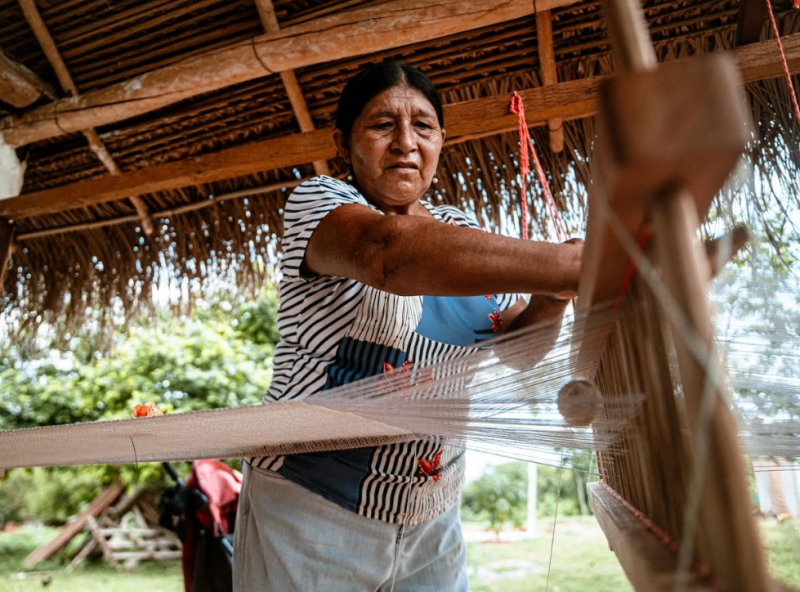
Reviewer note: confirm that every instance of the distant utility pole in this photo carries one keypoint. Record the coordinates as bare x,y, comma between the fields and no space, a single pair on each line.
532,472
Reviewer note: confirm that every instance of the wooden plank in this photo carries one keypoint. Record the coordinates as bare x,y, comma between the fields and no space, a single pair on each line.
107,497
367,30
642,150
108,553
567,100
19,87
547,64
647,562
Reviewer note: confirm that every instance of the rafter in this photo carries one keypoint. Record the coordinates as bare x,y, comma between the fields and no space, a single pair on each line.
266,11
547,63
348,34
470,119
752,16
96,145
19,87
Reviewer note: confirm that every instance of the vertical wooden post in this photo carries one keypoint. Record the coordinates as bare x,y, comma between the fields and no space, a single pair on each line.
724,518
547,63
6,247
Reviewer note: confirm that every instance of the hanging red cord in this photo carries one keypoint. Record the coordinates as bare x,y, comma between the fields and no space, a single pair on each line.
786,71
525,140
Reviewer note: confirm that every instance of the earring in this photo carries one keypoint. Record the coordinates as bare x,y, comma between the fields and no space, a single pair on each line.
435,180
349,172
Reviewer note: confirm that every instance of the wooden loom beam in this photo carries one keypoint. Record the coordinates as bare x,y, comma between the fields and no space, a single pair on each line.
96,145
466,120
362,31
666,145
266,11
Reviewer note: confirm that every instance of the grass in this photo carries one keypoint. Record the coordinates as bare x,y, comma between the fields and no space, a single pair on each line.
523,566
51,575
581,563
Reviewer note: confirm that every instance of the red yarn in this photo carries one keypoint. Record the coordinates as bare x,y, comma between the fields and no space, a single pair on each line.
786,71
518,109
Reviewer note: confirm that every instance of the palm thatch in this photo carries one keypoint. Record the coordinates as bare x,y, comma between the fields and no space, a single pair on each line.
233,227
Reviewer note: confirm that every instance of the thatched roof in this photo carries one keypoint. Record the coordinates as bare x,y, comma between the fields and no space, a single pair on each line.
107,42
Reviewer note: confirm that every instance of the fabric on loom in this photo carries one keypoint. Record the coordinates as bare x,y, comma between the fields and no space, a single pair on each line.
335,331
284,428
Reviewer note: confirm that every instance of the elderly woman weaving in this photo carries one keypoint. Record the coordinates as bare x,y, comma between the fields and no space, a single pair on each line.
374,278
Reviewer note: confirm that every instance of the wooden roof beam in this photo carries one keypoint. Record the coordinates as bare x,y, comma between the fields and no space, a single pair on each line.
343,35
266,10
96,145
470,119
547,64
752,14
19,87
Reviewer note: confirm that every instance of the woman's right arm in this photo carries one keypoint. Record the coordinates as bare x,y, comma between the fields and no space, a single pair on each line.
416,255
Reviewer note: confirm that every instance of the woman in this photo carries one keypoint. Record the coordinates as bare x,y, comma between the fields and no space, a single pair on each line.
375,278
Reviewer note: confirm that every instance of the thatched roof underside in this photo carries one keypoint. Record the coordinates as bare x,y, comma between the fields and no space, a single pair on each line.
102,42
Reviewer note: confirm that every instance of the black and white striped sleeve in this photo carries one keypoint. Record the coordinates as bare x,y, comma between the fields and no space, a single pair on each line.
308,204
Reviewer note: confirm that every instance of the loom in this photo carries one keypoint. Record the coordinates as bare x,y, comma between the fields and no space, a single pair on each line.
673,500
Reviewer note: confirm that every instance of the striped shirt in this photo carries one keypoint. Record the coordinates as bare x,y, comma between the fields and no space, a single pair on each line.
337,330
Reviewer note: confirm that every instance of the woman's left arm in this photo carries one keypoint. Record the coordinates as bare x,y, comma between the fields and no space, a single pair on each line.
542,309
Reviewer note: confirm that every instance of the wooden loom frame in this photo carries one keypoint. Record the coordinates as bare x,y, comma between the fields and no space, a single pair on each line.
657,176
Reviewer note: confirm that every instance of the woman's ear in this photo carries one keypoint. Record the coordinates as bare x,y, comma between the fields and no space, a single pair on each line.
340,141
444,135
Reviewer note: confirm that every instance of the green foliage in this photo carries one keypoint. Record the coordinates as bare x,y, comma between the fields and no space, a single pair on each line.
50,495
547,488
500,496
218,357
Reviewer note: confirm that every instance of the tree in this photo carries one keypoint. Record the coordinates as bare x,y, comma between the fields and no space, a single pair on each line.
500,496
220,356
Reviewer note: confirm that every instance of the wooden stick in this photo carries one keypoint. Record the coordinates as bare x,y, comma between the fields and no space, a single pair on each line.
720,251
68,84
19,86
266,10
107,497
724,519
6,249
467,120
367,30
157,215
547,63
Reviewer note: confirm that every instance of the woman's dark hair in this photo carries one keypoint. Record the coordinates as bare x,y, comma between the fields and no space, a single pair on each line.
369,83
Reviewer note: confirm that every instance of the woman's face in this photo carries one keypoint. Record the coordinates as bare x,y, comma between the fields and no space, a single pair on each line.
394,147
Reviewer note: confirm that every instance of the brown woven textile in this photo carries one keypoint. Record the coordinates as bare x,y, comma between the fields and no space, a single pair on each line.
259,430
